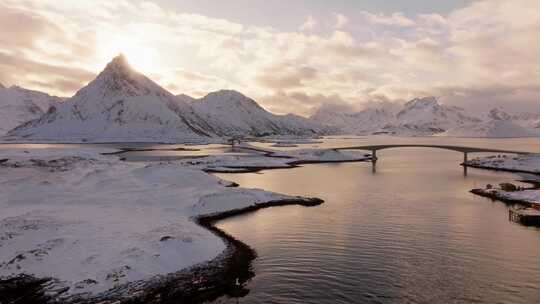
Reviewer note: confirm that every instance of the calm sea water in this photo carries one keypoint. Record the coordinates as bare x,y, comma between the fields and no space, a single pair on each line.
409,233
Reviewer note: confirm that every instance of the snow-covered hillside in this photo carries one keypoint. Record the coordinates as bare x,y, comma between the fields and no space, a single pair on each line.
497,124
231,113
367,121
426,116
420,116
19,105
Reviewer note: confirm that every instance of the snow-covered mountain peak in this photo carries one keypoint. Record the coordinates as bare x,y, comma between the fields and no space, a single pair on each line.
421,108
423,102
228,98
120,79
119,66
185,98
498,114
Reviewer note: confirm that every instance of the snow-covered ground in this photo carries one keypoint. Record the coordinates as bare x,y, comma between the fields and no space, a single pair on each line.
252,158
525,163
93,222
529,196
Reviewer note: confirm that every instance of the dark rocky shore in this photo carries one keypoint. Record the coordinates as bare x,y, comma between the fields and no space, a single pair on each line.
224,275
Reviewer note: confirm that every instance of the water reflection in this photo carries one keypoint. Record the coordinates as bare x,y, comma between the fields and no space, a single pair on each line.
409,233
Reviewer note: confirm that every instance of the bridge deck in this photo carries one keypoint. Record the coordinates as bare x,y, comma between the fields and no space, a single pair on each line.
446,147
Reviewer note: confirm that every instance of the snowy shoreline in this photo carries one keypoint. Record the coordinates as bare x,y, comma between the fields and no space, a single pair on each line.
115,227
527,198
525,163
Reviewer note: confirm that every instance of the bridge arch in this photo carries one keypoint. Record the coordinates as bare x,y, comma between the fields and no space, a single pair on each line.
461,149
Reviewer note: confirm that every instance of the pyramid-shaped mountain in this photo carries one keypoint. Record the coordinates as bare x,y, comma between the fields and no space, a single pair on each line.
120,104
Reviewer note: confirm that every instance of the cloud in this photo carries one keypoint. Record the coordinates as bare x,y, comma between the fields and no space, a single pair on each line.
309,24
395,19
341,21
17,69
481,54
280,101
35,26
285,76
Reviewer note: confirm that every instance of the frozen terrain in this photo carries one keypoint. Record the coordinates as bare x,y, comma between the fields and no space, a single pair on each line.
93,222
527,163
250,158
19,105
523,163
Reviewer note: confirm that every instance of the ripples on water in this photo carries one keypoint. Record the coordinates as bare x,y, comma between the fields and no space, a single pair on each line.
410,233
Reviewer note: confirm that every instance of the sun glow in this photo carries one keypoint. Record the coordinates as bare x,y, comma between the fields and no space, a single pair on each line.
140,57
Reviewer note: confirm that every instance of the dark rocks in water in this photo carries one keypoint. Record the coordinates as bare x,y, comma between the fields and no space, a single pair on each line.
508,187
165,238
3,160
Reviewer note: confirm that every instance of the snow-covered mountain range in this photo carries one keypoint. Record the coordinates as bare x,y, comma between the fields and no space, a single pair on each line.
18,105
497,124
427,116
121,104
420,116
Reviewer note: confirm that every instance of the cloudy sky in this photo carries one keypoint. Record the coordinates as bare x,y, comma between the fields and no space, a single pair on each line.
291,57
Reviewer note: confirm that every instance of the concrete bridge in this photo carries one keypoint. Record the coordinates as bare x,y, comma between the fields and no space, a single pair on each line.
461,149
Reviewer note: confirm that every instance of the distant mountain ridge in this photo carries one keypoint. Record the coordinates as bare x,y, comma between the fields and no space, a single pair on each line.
426,116
498,124
363,122
420,116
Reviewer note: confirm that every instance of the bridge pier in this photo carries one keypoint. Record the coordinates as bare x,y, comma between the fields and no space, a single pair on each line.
465,159
374,161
